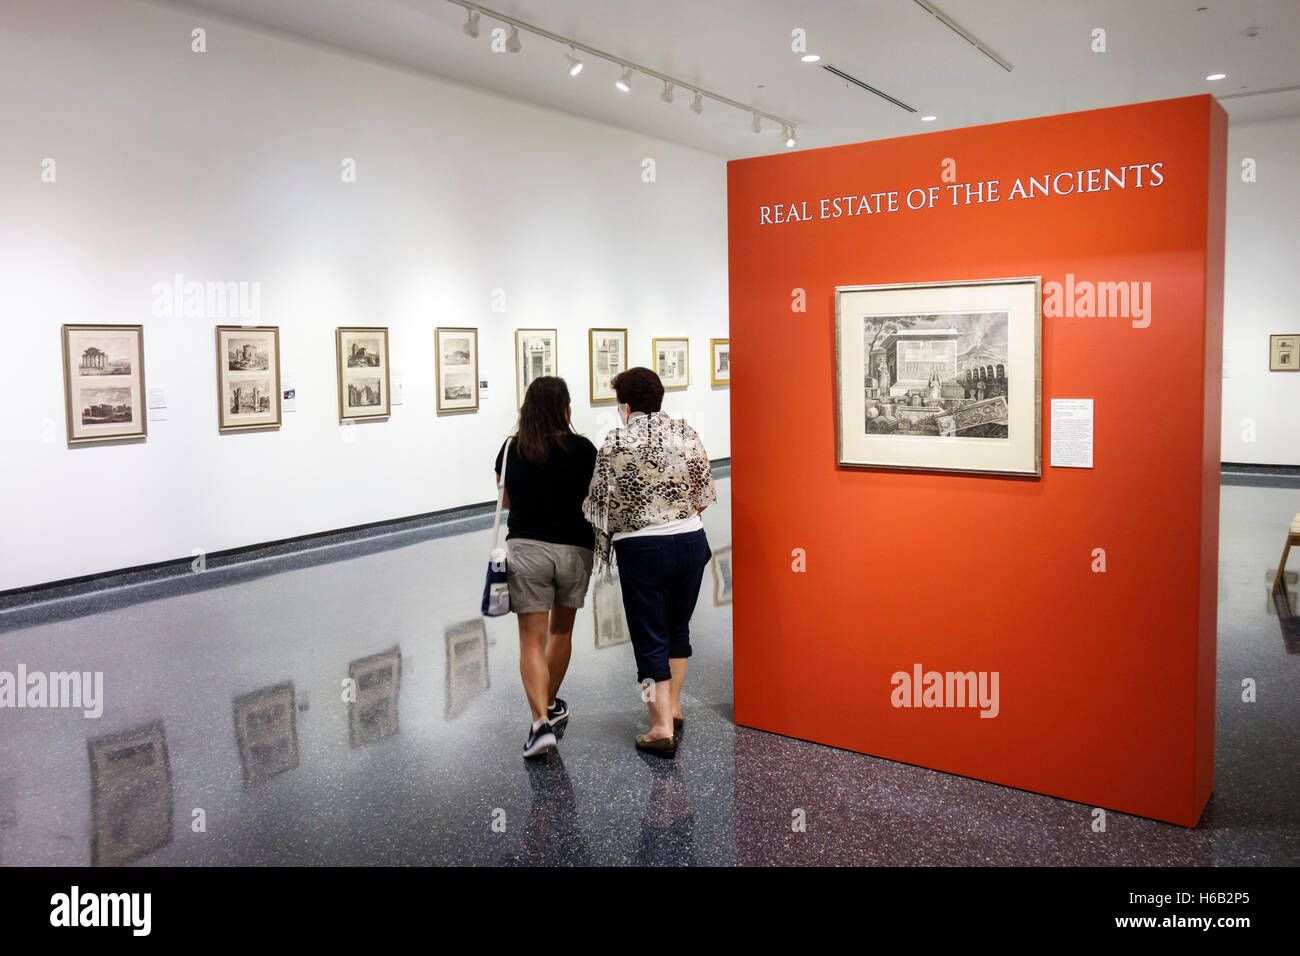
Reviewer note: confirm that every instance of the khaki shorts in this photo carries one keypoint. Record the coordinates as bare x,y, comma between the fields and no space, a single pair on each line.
541,574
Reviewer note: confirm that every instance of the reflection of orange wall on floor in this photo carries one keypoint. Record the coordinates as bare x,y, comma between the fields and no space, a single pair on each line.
1106,679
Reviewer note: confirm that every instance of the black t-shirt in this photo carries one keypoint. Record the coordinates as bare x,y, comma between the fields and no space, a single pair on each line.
546,499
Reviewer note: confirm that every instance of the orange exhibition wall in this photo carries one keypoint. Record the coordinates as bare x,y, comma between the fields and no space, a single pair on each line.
1090,592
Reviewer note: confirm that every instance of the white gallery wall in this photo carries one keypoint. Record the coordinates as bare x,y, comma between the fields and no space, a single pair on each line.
1261,409
227,166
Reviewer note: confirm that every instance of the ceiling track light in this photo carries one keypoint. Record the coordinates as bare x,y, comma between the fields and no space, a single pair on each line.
471,28
757,124
575,64
789,138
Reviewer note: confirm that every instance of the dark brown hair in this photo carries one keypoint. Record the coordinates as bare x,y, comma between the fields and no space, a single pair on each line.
544,420
639,389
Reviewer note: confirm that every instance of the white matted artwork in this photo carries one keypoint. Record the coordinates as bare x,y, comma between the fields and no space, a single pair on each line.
607,356
940,376
534,357
721,565
103,377
672,362
248,377
364,392
467,664
457,369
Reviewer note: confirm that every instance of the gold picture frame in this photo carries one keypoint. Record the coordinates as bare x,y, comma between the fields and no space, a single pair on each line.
597,378
719,372
1284,352
537,353
131,797
246,376
722,576
672,362
107,384
450,369
364,395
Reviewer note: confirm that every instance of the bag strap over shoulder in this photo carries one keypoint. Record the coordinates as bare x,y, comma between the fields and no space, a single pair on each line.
501,493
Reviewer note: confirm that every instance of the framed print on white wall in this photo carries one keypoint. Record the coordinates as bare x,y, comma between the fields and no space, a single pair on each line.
534,357
719,361
363,373
672,361
457,369
103,382
1284,353
940,376
607,356
248,377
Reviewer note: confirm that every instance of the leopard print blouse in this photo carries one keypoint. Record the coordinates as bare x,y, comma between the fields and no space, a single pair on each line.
652,471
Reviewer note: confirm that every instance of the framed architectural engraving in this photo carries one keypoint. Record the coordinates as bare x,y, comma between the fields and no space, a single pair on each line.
103,382
457,369
363,374
130,795
719,361
248,377
940,376
1284,353
534,357
607,351
672,360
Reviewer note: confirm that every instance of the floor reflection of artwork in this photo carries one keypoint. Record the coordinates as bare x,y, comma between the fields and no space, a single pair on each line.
722,576
608,614
376,681
467,664
130,795
266,731
936,374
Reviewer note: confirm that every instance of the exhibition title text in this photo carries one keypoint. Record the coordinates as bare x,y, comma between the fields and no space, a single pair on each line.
1064,183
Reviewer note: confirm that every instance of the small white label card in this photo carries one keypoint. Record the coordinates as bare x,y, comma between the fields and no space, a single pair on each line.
1072,433
157,398
395,383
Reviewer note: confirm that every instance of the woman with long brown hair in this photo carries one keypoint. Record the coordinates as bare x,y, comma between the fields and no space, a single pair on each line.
549,546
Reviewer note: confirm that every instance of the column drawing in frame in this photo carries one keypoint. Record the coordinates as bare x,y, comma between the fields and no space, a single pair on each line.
535,356
672,362
940,376
607,356
103,383
719,361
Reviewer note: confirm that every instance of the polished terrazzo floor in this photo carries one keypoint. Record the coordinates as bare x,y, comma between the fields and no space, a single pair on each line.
226,738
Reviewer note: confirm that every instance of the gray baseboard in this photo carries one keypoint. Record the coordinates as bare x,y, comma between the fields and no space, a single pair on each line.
75,597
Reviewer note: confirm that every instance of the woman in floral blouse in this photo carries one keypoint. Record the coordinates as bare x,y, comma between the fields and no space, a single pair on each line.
652,481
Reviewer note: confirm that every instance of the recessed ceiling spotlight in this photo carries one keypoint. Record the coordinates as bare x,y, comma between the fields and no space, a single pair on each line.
667,94
757,124
575,64
471,25
790,137
928,119
697,104
1216,76
624,82
810,58
513,44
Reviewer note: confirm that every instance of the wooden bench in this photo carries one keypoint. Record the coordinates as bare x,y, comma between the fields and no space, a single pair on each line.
1292,538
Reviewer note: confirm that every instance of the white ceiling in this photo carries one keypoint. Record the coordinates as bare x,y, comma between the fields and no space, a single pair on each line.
741,49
